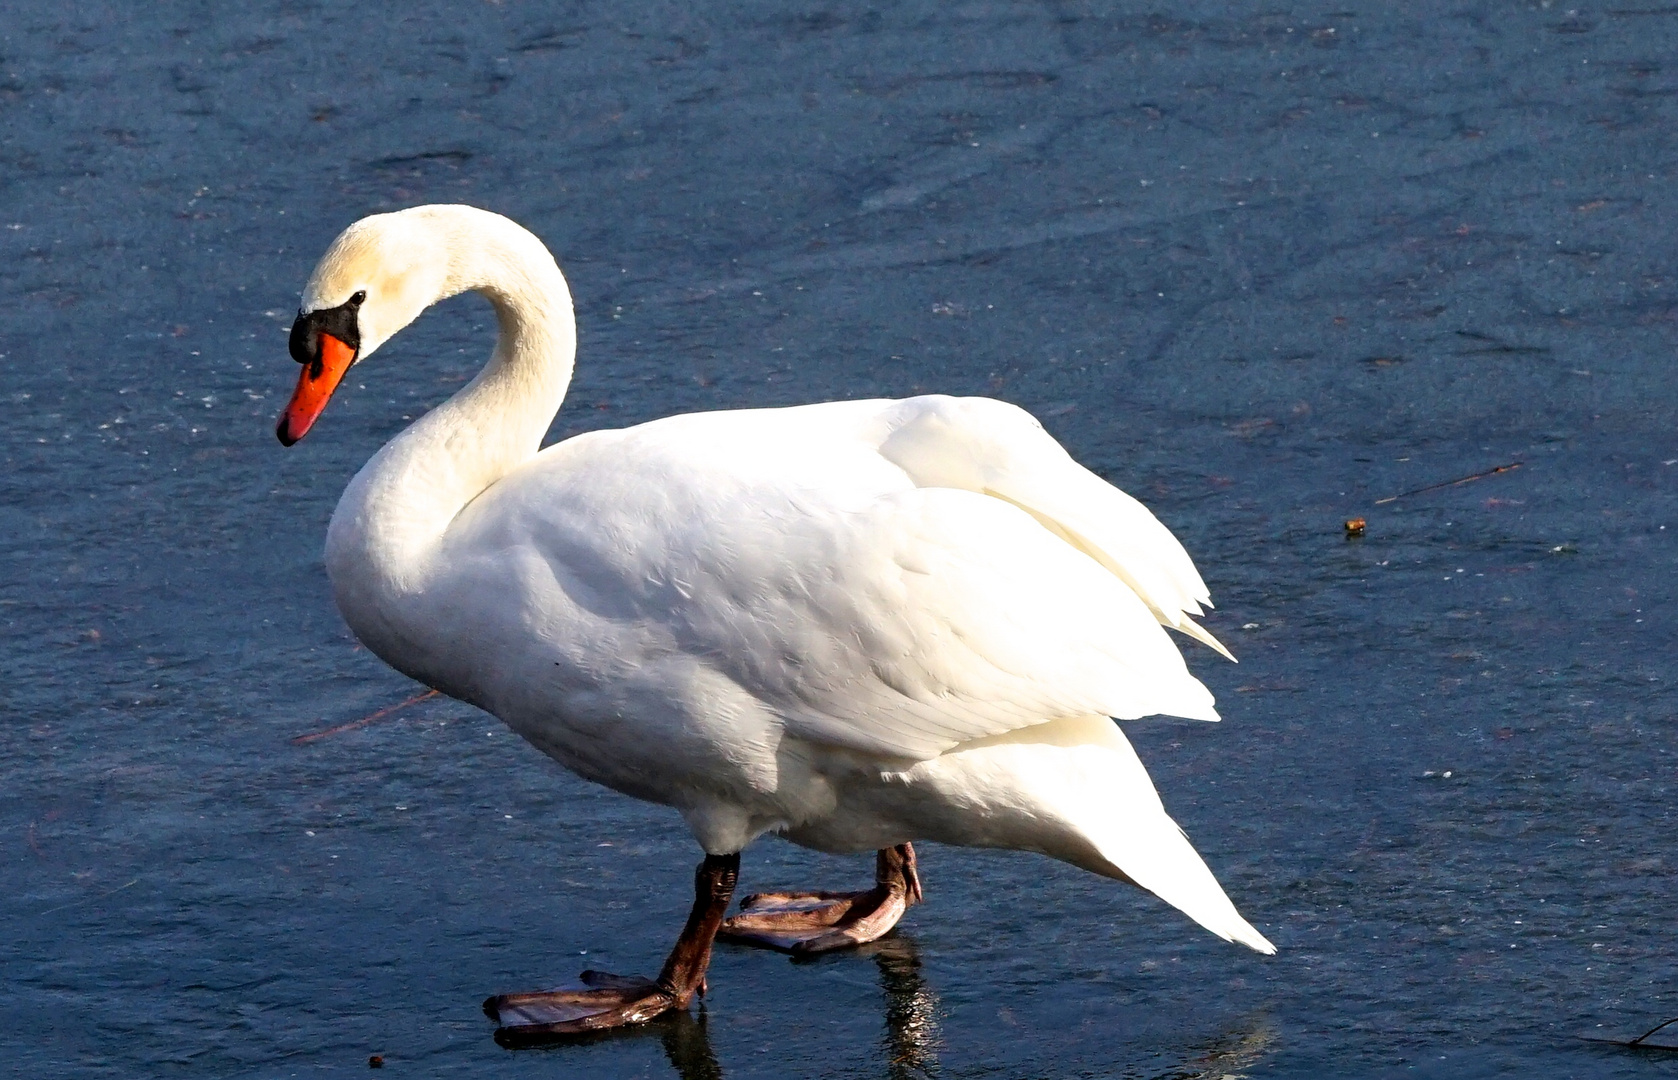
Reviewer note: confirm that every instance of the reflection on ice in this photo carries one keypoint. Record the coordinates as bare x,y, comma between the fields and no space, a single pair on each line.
687,1046
1227,1056
911,1038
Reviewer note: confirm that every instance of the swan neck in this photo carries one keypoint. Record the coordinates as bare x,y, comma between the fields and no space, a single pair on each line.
497,421
394,515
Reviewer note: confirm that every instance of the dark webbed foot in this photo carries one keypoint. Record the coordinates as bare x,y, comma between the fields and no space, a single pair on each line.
608,1001
816,922
603,1001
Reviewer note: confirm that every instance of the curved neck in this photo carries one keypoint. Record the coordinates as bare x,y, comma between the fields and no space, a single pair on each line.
392,517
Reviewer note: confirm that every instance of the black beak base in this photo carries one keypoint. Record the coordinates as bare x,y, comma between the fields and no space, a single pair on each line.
342,322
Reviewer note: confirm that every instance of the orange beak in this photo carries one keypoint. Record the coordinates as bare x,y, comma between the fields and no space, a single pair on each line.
314,389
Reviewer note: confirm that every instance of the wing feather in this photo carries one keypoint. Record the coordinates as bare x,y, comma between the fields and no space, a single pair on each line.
991,447
938,617
896,578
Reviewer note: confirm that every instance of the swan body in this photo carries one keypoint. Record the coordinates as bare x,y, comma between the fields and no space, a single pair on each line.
855,624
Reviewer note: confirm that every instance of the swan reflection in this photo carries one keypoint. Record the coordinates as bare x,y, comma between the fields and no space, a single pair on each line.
912,1037
1228,1055
687,1046
909,1043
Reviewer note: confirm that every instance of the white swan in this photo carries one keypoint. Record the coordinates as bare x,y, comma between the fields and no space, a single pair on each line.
856,624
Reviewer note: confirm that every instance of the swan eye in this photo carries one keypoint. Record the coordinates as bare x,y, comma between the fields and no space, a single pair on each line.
359,297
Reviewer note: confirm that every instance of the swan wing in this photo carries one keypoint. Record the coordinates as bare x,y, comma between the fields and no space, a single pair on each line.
943,616
816,558
997,449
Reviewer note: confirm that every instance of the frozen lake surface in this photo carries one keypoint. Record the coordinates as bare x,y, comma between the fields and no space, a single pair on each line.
1261,270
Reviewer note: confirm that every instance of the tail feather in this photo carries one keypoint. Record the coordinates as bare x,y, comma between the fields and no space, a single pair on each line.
1139,841
1155,854
1074,789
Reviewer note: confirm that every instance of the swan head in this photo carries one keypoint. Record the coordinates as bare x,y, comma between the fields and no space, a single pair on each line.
375,279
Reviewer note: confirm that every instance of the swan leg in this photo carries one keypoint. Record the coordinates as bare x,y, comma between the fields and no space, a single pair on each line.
608,1001
813,922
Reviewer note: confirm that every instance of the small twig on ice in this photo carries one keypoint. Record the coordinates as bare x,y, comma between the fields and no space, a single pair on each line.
1449,483
364,721
1639,1043
1639,1040
87,899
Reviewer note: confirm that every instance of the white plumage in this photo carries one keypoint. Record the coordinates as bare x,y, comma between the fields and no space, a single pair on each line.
855,624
